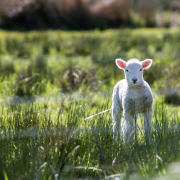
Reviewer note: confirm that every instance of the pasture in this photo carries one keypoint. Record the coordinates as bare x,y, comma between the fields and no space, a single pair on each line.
52,81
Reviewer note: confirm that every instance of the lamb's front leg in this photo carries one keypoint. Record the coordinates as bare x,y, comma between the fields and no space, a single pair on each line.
128,127
116,113
148,124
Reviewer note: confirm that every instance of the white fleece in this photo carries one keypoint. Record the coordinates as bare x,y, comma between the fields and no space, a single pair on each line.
132,95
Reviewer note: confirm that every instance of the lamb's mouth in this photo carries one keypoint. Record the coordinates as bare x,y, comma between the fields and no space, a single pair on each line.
134,82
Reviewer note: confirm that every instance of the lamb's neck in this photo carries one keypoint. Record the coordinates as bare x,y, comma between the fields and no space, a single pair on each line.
136,86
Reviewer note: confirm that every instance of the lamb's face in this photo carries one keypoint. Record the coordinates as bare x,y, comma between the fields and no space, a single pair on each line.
133,69
133,72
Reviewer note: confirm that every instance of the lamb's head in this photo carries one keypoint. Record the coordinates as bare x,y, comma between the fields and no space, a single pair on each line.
133,69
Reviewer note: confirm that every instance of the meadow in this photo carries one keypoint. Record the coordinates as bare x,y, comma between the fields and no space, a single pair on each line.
54,86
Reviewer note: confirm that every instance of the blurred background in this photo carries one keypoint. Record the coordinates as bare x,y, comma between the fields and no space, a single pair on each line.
87,14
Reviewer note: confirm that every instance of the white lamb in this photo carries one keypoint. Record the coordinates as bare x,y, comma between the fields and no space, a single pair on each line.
132,95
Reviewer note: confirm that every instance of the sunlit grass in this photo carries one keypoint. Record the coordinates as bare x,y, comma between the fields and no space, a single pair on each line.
52,138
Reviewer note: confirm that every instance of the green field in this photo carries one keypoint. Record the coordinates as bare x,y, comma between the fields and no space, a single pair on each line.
52,81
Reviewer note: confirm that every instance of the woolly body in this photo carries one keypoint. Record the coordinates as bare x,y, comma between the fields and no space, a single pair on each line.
132,96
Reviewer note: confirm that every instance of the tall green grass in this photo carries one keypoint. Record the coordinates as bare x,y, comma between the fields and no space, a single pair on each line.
48,141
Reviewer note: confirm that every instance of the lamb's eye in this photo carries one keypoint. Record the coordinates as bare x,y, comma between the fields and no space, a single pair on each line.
126,70
140,69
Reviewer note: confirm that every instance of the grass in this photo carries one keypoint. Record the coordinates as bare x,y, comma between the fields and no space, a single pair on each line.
51,82
42,141
93,49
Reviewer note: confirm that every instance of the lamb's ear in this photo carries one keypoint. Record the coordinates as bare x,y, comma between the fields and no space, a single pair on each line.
146,63
120,63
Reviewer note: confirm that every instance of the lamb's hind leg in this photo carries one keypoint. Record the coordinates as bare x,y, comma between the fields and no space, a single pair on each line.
148,124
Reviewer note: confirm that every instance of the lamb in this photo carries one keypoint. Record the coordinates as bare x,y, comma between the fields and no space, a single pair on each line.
132,95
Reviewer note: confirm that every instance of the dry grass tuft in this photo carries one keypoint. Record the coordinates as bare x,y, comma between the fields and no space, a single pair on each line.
76,79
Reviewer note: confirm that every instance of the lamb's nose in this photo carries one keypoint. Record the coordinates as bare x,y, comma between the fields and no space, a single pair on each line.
134,80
